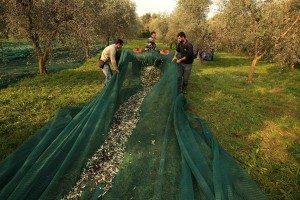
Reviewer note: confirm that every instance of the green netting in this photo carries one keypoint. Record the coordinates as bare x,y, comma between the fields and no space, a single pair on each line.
170,155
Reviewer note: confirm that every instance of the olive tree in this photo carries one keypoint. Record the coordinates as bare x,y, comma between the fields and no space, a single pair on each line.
160,25
117,19
145,22
81,30
286,15
40,22
256,27
190,16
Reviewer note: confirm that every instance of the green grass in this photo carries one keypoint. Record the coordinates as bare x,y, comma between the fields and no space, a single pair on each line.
29,104
256,123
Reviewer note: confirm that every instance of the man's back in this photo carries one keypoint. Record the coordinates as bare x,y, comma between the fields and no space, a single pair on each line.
108,52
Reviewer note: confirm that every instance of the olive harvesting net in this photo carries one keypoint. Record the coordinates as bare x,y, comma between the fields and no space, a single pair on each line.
134,140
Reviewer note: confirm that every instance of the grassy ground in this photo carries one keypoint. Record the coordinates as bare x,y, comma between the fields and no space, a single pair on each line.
29,104
258,123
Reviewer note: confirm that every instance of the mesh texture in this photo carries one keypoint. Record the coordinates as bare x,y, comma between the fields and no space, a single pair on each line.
171,153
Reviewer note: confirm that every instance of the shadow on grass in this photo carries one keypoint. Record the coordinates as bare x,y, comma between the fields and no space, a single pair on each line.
13,74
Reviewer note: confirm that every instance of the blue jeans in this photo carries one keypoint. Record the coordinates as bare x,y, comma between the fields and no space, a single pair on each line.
107,72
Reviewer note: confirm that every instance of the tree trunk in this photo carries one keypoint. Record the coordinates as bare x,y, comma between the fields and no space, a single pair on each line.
252,69
87,50
107,41
277,42
87,53
42,64
257,57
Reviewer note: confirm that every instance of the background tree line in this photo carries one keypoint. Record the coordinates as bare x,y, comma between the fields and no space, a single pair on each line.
50,23
188,16
262,29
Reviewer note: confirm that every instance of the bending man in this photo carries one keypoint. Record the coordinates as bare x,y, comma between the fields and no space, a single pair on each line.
108,57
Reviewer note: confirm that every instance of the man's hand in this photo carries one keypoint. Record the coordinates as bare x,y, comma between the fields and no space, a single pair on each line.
117,71
98,64
180,60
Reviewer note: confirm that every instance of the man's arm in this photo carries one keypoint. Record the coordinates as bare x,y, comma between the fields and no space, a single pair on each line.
176,52
175,56
181,59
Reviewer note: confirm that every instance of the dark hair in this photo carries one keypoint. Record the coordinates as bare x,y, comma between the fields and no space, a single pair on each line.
181,34
152,32
119,41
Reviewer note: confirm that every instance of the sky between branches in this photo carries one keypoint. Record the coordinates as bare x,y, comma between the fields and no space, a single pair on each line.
164,6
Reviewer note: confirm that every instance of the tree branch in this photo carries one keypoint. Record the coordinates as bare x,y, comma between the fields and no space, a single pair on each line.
286,32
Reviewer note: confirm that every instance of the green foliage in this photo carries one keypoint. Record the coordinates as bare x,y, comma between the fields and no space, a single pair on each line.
160,24
145,23
190,17
258,124
117,19
287,50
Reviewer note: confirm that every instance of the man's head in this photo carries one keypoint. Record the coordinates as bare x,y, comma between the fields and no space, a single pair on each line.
119,43
153,34
181,37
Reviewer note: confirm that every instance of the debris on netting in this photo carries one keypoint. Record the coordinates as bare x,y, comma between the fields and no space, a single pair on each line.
104,164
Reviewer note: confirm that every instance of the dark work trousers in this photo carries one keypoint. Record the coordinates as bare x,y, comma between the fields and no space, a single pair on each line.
184,72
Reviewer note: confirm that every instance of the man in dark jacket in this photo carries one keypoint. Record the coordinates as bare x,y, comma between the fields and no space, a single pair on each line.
184,56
